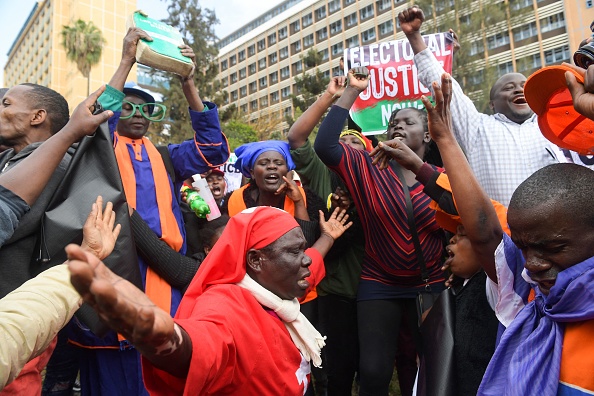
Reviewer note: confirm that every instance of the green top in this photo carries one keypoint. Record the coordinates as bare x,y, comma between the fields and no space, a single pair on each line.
343,270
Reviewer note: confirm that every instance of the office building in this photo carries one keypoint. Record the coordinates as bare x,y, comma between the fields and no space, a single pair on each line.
37,55
259,62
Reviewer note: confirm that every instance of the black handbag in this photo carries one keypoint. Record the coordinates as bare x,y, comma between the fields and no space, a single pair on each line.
93,171
427,297
437,365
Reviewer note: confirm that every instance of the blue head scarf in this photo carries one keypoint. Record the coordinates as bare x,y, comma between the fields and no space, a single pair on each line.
248,153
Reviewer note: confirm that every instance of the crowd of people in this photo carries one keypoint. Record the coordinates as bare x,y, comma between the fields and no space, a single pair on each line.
470,275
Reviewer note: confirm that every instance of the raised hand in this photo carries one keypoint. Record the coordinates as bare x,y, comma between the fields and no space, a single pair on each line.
398,151
99,233
336,86
358,78
83,122
290,189
582,94
411,20
187,51
123,306
440,117
336,224
131,41
341,199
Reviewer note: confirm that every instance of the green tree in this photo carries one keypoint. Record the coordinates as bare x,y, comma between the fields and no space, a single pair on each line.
474,21
239,132
196,24
83,42
309,85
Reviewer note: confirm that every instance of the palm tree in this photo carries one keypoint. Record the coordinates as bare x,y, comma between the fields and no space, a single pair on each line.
83,43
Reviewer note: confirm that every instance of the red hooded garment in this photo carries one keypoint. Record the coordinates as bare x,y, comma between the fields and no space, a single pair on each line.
239,348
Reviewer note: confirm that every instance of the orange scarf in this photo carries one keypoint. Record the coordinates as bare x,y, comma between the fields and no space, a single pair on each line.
157,289
237,204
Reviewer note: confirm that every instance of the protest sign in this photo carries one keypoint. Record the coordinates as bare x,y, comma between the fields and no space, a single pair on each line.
393,82
232,174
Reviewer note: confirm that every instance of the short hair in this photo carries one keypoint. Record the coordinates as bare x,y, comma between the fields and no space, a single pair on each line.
569,186
420,112
210,229
52,102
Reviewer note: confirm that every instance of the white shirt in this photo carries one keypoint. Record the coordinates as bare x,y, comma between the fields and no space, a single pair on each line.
501,153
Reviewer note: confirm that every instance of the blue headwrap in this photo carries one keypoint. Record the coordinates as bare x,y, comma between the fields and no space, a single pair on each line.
248,153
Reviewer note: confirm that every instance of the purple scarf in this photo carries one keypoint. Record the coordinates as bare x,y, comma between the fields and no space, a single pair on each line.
527,361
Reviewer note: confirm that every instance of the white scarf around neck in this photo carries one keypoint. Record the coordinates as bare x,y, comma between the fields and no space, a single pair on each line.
306,338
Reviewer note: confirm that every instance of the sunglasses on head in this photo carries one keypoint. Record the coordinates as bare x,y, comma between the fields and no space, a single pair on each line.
129,109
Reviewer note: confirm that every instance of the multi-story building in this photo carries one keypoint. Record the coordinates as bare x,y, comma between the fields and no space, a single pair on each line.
259,62
37,55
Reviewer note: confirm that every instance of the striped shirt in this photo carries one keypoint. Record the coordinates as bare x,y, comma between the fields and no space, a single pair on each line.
501,153
390,256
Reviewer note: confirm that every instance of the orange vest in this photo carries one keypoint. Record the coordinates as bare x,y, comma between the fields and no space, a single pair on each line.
577,357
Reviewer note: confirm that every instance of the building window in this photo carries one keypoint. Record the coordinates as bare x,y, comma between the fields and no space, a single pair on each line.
295,27
366,12
465,19
383,5
242,73
254,105
557,55
441,5
263,82
244,108
504,68
232,60
264,101
251,50
308,40
588,3
262,45
271,39
284,72
529,63
252,68
476,78
253,87
272,58
352,42
498,40
287,111
322,34
233,77
525,31
335,27
234,95
297,67
274,97
324,54
477,47
224,65
552,22
286,92
386,28
348,2
241,55
224,82
336,71
284,52
336,49
321,13
243,91
333,6
296,47
307,20
519,4
350,20
282,33
368,35
261,63
273,78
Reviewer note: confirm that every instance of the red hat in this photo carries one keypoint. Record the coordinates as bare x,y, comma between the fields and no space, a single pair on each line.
547,94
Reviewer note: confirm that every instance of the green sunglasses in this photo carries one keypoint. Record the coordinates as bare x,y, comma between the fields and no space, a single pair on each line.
151,111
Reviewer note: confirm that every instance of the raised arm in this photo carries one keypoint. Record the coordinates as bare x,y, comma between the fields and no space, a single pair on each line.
305,124
474,206
188,86
327,144
29,177
128,57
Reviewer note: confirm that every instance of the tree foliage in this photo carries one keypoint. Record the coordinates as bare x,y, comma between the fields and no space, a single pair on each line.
473,21
83,42
309,85
196,24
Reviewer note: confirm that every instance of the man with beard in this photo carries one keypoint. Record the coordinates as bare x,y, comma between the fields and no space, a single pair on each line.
503,149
